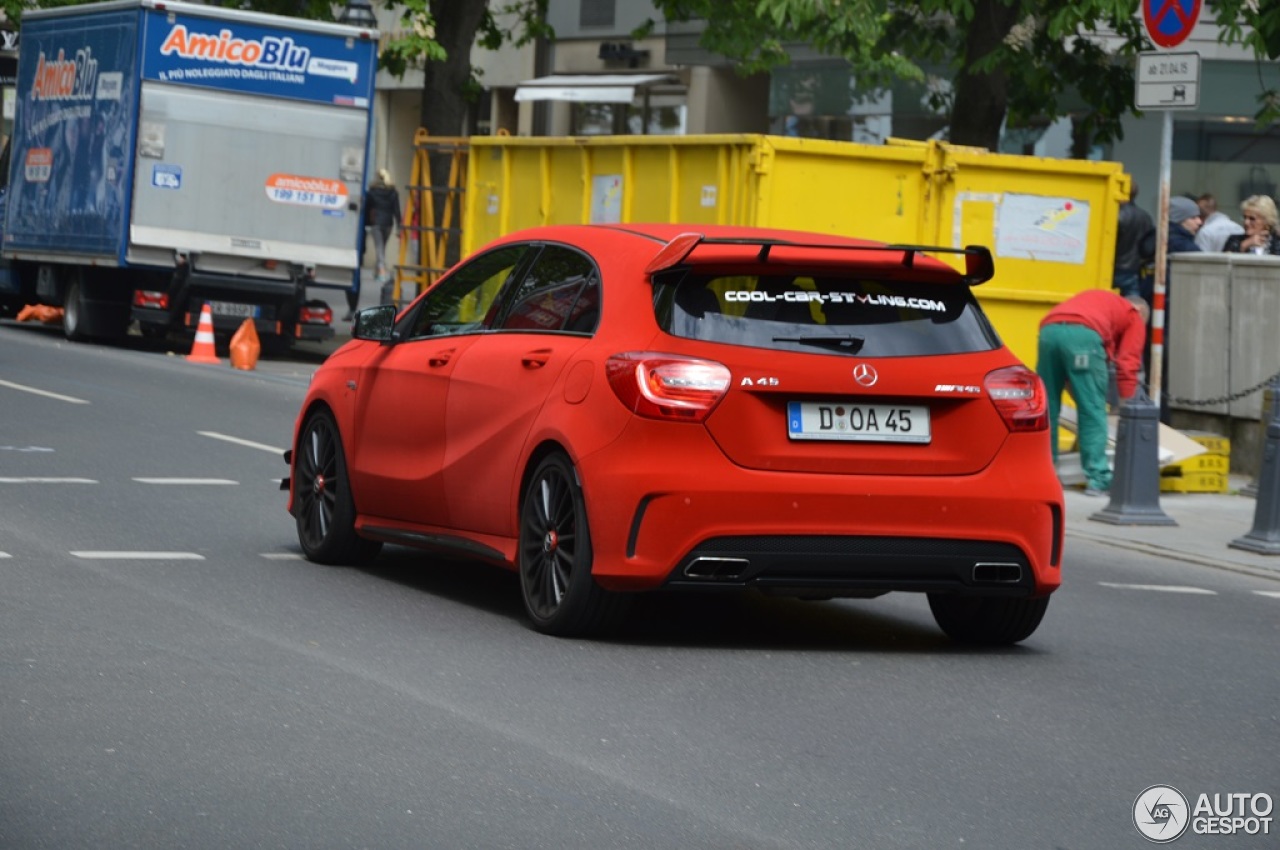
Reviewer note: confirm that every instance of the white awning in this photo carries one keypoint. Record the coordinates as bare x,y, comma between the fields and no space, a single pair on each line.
589,88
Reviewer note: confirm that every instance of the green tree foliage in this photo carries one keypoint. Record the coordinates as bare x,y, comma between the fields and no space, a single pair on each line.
1018,61
437,37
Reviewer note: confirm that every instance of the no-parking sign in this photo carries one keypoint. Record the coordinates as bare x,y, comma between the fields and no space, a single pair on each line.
1170,22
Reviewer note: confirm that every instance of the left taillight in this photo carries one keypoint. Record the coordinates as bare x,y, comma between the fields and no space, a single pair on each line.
151,299
1018,394
315,314
667,386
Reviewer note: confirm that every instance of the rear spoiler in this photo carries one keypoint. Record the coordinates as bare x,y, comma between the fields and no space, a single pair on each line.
979,267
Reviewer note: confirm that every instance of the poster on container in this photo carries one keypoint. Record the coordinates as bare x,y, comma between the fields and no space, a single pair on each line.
1036,227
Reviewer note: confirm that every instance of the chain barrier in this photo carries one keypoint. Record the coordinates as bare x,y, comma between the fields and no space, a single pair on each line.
1226,399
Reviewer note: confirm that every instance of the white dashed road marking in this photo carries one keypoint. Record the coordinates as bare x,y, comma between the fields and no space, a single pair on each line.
137,556
185,481
34,391
1162,588
47,481
1274,594
282,556
214,435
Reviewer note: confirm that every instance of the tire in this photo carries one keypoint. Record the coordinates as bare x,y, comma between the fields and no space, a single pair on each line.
989,620
324,507
74,315
555,556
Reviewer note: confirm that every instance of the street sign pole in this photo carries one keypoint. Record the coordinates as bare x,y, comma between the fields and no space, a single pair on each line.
1162,252
1165,81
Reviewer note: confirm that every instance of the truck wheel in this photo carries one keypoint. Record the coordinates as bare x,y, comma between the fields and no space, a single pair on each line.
991,620
323,505
74,320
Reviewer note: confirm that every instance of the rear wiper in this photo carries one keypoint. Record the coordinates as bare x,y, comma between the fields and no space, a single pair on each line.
845,344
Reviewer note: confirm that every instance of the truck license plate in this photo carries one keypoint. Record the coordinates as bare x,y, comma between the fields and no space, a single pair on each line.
886,423
238,311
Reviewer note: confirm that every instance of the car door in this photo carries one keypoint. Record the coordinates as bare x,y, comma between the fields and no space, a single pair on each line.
397,464
503,382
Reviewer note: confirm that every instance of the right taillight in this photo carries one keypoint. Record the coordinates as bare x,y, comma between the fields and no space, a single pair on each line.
667,386
1019,397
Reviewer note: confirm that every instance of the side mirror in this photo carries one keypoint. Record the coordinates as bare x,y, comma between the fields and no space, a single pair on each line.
375,323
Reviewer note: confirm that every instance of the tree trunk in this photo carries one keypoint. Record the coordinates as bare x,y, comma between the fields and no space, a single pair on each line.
445,84
444,103
982,100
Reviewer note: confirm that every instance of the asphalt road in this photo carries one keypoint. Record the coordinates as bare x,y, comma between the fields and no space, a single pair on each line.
173,674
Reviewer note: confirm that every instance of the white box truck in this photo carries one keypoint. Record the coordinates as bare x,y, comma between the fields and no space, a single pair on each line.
166,155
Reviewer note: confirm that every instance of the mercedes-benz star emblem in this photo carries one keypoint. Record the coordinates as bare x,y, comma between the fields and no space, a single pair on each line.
865,374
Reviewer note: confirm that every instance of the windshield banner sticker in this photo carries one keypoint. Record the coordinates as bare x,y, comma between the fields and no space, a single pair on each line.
870,300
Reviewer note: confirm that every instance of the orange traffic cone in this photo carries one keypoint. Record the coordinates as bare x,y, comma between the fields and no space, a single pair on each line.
202,350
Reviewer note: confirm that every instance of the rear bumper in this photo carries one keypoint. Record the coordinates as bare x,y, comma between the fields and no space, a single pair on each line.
995,532
850,565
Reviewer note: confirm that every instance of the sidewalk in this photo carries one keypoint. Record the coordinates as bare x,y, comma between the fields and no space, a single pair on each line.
1206,524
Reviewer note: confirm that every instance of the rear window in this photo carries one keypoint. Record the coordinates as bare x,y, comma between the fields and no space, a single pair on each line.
824,313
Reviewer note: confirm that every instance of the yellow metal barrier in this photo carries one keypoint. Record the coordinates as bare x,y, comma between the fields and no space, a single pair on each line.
432,213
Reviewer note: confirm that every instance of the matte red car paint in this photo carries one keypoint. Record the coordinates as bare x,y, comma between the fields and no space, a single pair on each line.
440,434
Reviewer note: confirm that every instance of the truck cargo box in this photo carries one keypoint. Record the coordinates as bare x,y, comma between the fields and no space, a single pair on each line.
202,153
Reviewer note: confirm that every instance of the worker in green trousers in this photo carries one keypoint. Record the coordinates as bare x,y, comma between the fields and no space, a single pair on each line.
1078,338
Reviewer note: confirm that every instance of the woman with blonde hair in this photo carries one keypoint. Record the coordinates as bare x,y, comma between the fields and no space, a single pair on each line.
1260,228
381,213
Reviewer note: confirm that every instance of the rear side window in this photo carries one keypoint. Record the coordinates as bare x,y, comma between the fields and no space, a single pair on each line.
824,314
559,292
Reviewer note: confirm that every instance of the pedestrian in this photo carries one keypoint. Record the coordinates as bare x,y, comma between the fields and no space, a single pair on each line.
1184,222
1078,339
1260,221
1216,225
1135,245
382,212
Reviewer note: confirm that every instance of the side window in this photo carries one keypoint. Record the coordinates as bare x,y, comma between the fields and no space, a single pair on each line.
462,301
560,292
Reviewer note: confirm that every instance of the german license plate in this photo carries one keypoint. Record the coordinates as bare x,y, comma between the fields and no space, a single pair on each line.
238,311
844,420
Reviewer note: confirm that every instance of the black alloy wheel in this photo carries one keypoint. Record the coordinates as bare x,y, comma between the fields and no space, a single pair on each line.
324,507
555,556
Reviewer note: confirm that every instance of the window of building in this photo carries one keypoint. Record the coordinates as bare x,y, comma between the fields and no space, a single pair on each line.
625,119
596,13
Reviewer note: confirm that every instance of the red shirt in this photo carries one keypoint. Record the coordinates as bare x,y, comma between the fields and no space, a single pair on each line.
1117,321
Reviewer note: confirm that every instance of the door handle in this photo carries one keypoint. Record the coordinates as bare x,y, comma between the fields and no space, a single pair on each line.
441,358
536,359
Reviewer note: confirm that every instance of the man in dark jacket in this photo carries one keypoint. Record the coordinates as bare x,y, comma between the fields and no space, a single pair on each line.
1184,222
1135,244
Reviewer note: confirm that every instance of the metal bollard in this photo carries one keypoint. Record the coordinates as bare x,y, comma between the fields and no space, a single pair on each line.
1268,413
1264,538
1135,486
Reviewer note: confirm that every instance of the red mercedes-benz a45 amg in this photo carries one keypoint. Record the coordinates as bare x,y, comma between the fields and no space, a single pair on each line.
608,409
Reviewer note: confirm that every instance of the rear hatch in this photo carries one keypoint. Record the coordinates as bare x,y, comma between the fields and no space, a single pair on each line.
848,366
